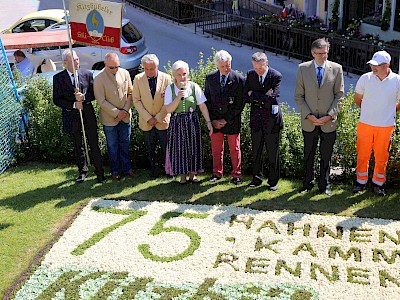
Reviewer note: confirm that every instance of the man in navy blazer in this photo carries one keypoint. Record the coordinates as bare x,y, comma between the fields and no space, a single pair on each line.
262,92
224,92
71,102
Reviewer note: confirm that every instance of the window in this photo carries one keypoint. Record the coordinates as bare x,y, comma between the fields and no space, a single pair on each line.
130,34
33,25
372,11
27,26
397,16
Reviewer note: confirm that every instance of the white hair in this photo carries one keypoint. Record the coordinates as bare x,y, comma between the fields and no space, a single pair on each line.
66,52
259,56
222,55
180,64
148,58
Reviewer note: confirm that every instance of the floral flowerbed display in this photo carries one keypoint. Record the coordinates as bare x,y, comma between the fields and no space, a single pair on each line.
156,250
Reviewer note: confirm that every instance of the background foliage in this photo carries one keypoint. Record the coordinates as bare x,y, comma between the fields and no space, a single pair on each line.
48,142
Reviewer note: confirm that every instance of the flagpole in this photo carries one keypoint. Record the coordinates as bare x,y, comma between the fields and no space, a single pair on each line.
75,72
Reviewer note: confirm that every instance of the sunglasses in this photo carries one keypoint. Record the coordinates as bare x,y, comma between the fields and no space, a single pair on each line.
112,68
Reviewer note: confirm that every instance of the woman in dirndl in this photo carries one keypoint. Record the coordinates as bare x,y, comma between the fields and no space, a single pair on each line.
185,148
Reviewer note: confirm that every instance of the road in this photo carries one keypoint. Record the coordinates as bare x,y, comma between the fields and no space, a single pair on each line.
172,41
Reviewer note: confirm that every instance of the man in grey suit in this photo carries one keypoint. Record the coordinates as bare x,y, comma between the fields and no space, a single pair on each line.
318,94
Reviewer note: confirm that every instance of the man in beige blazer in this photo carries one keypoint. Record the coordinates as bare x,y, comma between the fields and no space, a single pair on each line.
113,92
148,98
318,94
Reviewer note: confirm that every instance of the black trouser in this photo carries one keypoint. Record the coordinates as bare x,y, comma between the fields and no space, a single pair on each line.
93,143
326,142
150,139
259,137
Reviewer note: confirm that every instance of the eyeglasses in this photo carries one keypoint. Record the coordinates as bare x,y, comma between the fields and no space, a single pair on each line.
112,68
320,53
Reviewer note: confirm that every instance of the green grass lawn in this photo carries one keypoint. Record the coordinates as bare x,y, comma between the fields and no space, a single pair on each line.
37,200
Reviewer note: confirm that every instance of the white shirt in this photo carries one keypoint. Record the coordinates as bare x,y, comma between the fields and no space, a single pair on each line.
200,98
72,77
25,67
264,75
378,107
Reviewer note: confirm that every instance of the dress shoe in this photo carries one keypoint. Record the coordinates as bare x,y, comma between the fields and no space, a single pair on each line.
116,177
194,180
304,190
130,174
358,188
101,179
81,178
236,181
214,178
379,191
326,191
255,182
273,188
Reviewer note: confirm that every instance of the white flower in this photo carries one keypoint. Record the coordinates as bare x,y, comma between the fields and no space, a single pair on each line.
246,251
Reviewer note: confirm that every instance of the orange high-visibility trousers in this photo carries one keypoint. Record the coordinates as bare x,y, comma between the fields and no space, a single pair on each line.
372,138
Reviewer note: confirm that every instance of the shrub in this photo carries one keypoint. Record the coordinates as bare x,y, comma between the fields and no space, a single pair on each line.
47,142
344,152
292,152
387,15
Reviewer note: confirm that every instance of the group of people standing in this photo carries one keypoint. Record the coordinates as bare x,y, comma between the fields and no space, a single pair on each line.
318,94
168,116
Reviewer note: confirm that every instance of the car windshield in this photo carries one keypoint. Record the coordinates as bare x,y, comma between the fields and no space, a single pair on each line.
130,34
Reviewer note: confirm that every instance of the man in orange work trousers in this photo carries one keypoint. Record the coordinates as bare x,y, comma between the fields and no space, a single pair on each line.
377,94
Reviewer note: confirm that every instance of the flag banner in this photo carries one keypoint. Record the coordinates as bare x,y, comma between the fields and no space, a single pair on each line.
96,23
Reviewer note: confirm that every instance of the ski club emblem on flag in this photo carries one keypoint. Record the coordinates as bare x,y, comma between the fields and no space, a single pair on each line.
96,23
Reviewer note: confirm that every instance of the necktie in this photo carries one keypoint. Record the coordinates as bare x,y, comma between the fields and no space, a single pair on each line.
72,79
152,84
260,81
223,81
319,76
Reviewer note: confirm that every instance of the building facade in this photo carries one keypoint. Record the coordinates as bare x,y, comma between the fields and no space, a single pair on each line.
373,14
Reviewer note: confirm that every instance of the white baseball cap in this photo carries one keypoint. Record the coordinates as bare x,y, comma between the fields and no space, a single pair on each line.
380,57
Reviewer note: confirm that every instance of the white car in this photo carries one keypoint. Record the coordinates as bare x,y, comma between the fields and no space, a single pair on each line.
132,49
37,21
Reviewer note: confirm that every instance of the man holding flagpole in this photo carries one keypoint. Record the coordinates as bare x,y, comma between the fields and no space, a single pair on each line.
71,102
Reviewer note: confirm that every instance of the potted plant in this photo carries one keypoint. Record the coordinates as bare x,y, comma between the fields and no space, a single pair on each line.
385,24
334,20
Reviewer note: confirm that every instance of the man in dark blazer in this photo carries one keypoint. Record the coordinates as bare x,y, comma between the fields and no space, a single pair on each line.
71,102
318,94
262,92
224,92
